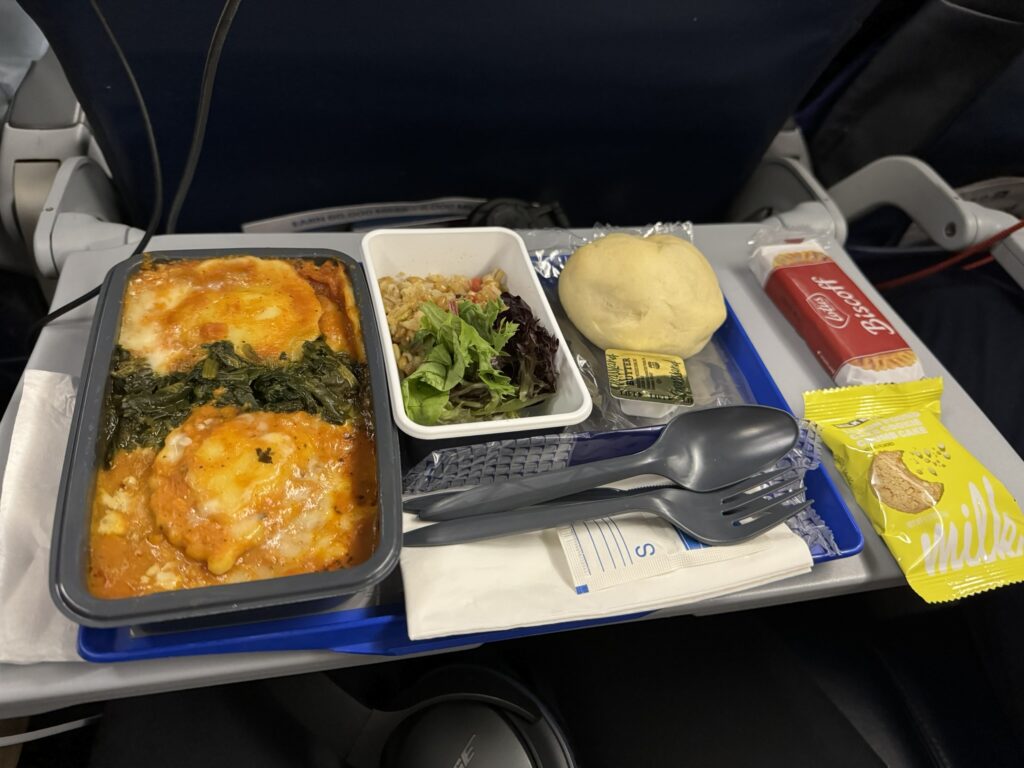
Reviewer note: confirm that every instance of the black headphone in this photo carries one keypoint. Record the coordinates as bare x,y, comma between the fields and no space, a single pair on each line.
455,717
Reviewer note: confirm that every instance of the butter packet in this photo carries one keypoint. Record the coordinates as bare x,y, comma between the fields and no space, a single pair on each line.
646,383
953,528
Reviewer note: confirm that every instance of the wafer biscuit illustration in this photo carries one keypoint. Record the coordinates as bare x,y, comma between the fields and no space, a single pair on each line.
898,487
903,358
792,258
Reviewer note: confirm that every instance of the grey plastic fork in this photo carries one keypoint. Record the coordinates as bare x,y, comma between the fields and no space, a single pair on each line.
699,450
731,515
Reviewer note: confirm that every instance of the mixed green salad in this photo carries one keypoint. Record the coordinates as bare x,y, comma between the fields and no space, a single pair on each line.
480,360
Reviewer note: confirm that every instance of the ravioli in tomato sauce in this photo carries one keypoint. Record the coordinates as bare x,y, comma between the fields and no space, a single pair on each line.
235,493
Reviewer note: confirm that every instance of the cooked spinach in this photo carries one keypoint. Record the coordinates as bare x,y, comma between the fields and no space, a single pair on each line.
142,407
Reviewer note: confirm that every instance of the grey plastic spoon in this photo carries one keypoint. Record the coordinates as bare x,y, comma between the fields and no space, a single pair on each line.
700,450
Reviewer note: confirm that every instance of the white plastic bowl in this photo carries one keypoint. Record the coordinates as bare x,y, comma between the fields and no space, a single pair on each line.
471,252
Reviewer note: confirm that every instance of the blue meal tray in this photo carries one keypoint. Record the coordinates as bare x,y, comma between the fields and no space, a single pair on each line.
381,630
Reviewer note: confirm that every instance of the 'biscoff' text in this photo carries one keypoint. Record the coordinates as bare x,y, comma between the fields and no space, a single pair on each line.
869,321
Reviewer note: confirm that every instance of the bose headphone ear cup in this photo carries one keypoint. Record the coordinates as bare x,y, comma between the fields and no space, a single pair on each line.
509,719
452,714
457,734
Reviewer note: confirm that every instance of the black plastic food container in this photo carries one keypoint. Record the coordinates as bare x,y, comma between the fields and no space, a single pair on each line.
69,558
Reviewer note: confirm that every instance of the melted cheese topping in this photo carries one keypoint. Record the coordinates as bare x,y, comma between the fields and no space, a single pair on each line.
234,497
173,308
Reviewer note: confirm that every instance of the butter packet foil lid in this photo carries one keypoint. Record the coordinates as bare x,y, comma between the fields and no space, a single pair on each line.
953,528
646,383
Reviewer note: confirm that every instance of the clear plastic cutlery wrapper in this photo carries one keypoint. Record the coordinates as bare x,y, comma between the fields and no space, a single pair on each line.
604,550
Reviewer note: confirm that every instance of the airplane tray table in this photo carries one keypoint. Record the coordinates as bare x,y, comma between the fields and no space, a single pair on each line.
382,629
41,687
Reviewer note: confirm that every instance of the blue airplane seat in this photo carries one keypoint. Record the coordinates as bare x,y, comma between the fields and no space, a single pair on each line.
622,112
942,80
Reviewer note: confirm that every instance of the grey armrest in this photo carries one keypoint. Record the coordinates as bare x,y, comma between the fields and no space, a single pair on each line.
915,188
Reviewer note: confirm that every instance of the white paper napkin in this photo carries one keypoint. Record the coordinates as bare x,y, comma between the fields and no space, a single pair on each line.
31,627
524,580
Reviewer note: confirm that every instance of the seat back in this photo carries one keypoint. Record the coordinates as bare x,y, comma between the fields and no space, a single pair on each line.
624,112
945,84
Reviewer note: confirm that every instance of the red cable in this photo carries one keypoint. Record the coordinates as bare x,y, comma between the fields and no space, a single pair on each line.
963,255
979,263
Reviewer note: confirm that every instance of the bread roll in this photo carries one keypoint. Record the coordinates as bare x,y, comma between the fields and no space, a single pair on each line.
648,294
